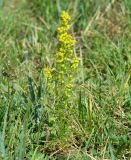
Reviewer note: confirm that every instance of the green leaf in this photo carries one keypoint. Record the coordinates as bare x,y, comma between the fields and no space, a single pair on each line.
111,152
31,89
2,147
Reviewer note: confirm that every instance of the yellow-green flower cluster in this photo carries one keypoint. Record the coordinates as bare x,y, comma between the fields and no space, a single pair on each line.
65,64
68,89
48,73
74,63
66,39
65,17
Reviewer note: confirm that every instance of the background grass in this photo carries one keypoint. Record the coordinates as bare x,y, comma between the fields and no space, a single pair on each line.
99,124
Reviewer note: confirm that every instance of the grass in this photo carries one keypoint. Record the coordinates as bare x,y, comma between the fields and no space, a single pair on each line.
99,122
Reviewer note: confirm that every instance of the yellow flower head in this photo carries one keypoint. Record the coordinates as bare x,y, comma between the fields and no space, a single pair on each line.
60,55
48,72
67,40
65,17
76,60
74,63
63,29
69,86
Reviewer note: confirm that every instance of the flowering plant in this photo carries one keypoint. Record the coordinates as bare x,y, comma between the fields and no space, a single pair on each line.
65,63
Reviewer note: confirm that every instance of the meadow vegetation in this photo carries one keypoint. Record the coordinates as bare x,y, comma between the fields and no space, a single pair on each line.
65,80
